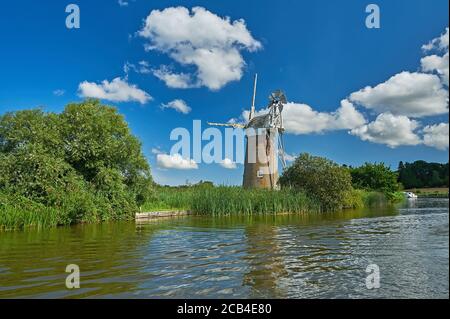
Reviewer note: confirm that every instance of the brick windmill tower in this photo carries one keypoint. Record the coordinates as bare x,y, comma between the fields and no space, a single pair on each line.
264,137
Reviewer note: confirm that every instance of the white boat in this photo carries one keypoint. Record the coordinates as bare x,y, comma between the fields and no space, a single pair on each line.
410,195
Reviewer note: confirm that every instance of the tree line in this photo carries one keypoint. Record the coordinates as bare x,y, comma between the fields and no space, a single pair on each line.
421,174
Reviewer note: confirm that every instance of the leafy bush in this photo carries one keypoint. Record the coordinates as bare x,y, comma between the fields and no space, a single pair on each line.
321,179
354,199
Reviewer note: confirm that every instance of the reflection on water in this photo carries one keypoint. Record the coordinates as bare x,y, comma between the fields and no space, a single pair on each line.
287,256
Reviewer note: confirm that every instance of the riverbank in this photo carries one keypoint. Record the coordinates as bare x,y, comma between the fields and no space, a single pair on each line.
439,192
19,213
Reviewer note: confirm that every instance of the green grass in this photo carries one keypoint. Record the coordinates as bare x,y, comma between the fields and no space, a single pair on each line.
17,212
169,198
230,200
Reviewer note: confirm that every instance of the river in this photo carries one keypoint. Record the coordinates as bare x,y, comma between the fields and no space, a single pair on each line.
288,256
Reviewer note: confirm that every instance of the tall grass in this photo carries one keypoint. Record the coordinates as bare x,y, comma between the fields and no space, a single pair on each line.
374,199
170,198
231,200
18,212
235,200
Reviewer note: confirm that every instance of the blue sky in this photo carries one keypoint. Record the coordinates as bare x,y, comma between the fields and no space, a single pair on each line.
318,52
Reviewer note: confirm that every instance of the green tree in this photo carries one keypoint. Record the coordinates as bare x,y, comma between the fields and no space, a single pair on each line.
97,138
422,174
30,128
320,179
375,177
85,162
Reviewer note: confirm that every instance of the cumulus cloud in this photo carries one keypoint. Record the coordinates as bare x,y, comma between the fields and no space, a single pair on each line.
175,161
436,136
389,129
302,119
395,103
439,64
201,39
439,43
118,90
410,94
174,80
228,164
178,105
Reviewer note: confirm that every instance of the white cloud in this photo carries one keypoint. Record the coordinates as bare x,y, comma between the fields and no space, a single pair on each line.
118,90
228,164
174,80
59,92
175,161
440,43
389,129
156,151
178,105
436,136
410,94
404,96
437,63
289,158
202,39
302,119
122,3
144,67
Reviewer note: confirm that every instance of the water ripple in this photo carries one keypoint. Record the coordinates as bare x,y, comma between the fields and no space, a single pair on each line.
320,256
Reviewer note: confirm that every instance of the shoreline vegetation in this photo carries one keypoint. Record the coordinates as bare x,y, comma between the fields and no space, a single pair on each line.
232,200
440,192
83,165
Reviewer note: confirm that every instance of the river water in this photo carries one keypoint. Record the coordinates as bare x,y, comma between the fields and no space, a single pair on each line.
290,256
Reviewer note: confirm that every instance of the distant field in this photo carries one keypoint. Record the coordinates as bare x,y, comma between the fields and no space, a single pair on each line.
430,192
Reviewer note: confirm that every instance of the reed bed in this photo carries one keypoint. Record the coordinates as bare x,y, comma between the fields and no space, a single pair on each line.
231,200
17,212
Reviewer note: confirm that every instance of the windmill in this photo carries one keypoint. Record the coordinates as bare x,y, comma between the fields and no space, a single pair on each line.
264,137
